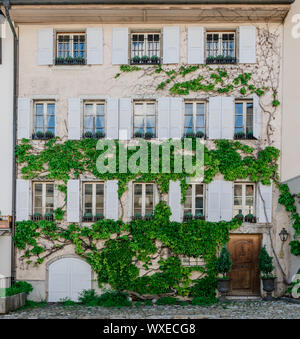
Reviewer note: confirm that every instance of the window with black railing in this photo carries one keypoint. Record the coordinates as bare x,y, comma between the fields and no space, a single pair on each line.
220,48
145,48
71,49
43,201
93,201
94,120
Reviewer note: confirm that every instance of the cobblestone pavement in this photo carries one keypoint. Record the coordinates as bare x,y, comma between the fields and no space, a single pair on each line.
234,309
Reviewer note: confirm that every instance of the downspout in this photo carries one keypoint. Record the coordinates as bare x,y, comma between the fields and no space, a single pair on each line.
6,4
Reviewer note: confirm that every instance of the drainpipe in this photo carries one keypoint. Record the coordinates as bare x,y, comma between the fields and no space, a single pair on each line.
6,4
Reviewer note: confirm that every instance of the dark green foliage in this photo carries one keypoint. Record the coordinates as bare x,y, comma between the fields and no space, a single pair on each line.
265,263
19,287
114,299
202,301
168,301
224,262
89,298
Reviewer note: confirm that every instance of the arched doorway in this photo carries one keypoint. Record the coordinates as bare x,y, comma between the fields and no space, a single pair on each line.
67,277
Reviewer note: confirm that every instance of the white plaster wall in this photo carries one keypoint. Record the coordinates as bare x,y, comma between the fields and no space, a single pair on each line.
291,116
6,143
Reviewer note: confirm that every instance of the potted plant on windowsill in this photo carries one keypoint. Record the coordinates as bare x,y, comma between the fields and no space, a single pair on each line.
99,216
37,216
155,59
200,135
88,135
199,216
210,59
250,218
239,217
99,135
138,134
39,135
250,135
49,135
189,135
148,216
239,135
188,216
137,216
224,265
145,59
148,135
87,217
136,59
48,216
265,266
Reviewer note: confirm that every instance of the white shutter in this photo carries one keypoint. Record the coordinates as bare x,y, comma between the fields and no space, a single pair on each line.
119,46
73,200
175,200
266,192
112,119
175,117
45,46
24,118
195,45
111,200
171,45
227,117
94,46
74,109
247,44
125,119
226,199
163,124
214,117
22,200
213,201
256,116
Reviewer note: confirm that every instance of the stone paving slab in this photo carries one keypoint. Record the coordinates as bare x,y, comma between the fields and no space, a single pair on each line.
233,310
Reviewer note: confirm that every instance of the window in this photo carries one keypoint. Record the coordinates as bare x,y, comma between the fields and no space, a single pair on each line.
194,119
194,203
93,201
143,200
145,48
244,199
243,120
70,48
144,121
43,200
94,120
44,122
220,47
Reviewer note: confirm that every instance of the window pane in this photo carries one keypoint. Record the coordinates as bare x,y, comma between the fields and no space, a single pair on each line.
238,121
39,109
100,109
199,189
139,122
199,202
238,190
188,121
188,203
99,198
88,110
150,121
199,109
100,122
238,108
49,198
188,108
88,198
249,122
150,109
89,123
138,109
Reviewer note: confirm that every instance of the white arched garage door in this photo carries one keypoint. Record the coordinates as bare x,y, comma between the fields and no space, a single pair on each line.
67,278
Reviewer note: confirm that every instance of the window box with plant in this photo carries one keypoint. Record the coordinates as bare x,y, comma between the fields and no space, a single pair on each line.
220,60
250,218
224,265
265,266
69,61
87,217
48,216
37,216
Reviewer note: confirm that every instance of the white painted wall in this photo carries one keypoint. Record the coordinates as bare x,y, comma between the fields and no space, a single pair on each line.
6,141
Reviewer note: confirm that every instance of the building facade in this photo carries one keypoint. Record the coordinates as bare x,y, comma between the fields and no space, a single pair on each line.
71,86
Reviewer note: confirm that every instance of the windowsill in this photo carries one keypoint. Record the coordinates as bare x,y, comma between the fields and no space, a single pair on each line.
69,67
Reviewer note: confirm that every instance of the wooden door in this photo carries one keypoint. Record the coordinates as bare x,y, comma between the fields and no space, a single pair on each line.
244,250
